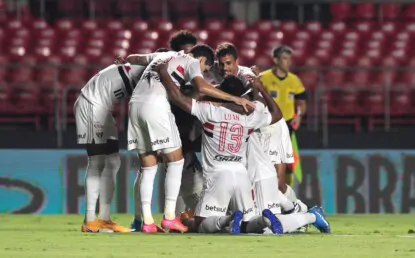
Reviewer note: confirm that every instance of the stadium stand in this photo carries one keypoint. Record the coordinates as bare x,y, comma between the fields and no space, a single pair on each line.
352,63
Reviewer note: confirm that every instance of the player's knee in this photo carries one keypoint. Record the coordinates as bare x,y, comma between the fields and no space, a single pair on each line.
173,154
113,163
96,162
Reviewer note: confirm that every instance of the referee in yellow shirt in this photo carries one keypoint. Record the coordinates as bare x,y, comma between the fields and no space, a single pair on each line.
289,93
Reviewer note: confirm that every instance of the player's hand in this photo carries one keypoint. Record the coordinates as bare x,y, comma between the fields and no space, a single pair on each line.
255,81
119,60
159,67
296,122
246,104
255,70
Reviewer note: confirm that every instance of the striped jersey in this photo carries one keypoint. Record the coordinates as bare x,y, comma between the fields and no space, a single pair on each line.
225,133
112,84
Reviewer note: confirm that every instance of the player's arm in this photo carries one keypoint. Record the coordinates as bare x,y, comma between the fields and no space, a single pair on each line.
135,59
208,89
176,96
273,108
300,104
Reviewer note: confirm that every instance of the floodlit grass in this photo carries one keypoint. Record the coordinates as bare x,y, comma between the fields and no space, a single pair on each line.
60,236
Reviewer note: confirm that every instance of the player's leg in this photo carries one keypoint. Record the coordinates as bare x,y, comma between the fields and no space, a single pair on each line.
210,212
96,161
139,139
191,185
137,221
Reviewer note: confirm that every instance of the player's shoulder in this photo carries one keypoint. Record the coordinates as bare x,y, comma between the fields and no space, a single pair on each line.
245,69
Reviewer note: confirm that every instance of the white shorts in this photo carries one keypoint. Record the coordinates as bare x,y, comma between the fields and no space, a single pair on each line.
279,148
151,127
220,188
93,123
265,194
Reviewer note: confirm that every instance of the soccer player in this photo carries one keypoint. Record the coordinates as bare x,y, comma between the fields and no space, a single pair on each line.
224,145
152,127
192,181
288,92
96,129
263,144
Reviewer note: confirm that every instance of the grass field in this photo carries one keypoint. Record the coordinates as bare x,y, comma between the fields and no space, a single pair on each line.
352,236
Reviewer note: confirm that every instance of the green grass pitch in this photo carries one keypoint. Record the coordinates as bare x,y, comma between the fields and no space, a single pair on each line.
59,236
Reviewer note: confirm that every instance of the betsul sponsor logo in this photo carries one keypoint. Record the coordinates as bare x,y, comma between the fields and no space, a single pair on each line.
249,210
215,208
273,153
160,141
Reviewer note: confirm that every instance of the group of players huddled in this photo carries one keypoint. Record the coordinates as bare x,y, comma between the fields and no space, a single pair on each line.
178,95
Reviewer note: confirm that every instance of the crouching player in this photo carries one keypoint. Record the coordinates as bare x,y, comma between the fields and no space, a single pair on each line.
224,144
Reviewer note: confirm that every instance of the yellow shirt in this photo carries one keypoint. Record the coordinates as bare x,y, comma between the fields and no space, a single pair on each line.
283,91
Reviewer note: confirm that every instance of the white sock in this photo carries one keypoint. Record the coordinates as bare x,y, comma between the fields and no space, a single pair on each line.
290,194
291,222
172,187
146,192
107,184
92,184
286,204
137,197
214,224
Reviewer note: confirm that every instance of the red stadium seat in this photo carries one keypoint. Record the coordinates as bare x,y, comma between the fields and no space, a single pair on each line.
226,36
76,73
16,52
365,11
202,35
42,52
364,27
322,55
247,55
238,26
263,62
64,25
335,76
289,27
338,27
139,26
409,13
48,71
25,104
248,44
251,35
163,26
390,11
401,102
313,27
89,25
214,26
188,24
38,24
263,27
340,11
123,34
390,28
3,69
114,26
13,25
23,74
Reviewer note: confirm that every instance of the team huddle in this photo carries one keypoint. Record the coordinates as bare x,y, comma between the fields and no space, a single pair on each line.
178,95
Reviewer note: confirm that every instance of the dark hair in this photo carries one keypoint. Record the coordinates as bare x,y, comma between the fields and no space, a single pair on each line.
202,50
182,38
278,51
233,85
226,49
162,49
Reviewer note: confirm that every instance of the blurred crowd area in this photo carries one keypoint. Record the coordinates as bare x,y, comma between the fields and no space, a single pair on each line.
355,60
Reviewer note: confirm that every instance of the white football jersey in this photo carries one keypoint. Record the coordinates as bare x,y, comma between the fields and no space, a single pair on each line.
244,73
182,68
112,84
225,136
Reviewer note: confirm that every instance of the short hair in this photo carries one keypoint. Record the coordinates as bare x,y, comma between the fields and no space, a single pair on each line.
226,49
202,50
233,85
182,38
162,49
278,51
